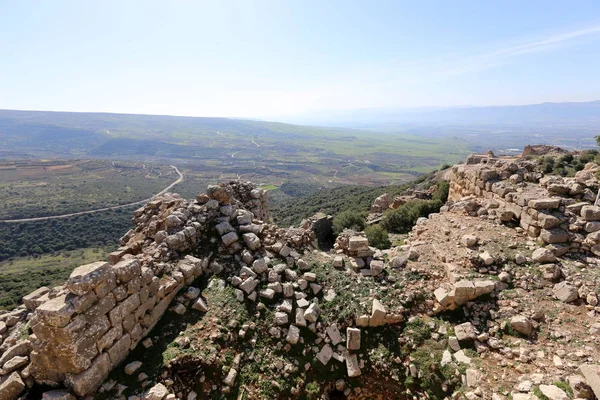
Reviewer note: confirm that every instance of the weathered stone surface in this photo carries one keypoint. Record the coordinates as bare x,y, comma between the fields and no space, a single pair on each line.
293,334
468,240
376,267
554,236
127,269
565,292
591,374
259,266
521,324
157,392
464,291
124,308
60,394
119,351
200,305
553,392
353,338
311,314
325,354
89,380
544,204
11,387
465,331
590,213
334,334
32,301
21,348
56,312
356,243
14,364
352,365
378,314
231,377
229,238
543,255
252,241
86,277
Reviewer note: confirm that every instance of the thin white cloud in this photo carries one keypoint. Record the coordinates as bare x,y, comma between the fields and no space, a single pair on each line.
502,56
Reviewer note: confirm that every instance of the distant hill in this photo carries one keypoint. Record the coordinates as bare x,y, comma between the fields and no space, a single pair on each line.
534,114
260,150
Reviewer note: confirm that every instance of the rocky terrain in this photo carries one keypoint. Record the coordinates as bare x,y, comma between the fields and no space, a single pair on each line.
495,297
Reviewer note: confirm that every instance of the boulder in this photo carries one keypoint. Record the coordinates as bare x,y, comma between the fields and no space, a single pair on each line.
521,324
11,387
543,256
565,292
156,392
465,331
553,392
590,213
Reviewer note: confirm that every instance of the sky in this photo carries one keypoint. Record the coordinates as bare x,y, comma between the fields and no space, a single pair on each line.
267,59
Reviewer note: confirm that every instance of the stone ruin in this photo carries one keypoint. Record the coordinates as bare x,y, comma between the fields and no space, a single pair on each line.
558,211
88,326
85,328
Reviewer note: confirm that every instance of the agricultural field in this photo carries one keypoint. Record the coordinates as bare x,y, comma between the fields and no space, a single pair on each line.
39,188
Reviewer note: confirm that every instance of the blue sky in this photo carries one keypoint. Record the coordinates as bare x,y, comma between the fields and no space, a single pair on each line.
274,58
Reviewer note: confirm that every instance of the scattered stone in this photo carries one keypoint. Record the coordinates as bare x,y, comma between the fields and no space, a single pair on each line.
521,324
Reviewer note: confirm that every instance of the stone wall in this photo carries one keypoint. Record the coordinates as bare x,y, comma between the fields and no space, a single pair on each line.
88,326
558,211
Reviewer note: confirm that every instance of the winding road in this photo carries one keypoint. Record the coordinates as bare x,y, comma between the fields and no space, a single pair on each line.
135,203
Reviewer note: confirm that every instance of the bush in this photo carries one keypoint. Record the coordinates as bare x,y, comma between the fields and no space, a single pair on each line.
402,219
348,220
441,192
378,237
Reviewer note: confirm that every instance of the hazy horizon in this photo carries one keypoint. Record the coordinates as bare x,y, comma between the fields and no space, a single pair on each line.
268,59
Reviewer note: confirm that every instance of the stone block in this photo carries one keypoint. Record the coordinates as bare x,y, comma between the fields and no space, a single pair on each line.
107,340
119,351
88,381
100,309
124,308
378,314
463,291
56,312
31,300
87,277
353,338
125,270
544,204
590,213
12,387
82,303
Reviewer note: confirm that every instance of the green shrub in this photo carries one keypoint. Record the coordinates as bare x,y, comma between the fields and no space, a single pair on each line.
402,219
441,192
378,237
348,220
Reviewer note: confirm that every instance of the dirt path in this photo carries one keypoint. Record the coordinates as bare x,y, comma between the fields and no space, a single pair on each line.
165,190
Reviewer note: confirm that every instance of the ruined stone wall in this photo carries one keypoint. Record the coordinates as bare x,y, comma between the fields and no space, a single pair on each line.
87,327
559,211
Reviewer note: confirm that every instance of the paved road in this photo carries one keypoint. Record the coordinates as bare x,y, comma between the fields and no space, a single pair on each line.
165,190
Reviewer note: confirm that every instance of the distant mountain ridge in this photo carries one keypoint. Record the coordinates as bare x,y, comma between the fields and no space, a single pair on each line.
533,114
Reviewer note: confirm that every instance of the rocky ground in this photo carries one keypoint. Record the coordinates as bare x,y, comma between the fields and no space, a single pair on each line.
473,305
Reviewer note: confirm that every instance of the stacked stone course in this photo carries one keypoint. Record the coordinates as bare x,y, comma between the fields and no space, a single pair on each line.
559,211
87,327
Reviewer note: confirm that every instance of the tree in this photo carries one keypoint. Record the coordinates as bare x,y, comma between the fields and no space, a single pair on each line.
378,237
348,220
